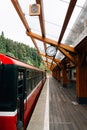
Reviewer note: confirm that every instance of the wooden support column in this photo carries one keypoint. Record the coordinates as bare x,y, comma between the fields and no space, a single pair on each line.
54,73
64,77
81,79
58,75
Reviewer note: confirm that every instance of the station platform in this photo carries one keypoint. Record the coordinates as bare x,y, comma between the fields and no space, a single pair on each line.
57,109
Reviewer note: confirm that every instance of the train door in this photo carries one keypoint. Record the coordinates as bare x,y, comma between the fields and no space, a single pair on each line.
20,98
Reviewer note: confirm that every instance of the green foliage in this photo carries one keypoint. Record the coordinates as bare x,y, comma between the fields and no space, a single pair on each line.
19,50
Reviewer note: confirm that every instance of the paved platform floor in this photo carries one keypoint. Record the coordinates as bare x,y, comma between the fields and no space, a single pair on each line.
57,109
40,117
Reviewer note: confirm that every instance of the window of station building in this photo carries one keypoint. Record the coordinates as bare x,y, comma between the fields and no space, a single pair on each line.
74,74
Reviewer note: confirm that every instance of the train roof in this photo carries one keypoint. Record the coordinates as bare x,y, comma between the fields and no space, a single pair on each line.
4,59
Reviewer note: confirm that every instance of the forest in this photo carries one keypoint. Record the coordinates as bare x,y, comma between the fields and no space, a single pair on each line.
21,51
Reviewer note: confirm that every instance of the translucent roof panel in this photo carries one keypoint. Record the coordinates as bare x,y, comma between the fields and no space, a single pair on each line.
40,46
59,55
77,10
54,63
52,30
33,21
34,24
47,45
49,60
53,19
79,29
44,58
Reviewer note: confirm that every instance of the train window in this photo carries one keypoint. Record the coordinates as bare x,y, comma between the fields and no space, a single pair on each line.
7,88
33,77
20,76
21,93
29,81
20,82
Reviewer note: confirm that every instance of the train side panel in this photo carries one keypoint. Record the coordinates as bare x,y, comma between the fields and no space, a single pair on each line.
8,122
20,87
31,101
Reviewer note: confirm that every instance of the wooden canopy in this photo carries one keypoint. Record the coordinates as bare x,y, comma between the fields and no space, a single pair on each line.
68,51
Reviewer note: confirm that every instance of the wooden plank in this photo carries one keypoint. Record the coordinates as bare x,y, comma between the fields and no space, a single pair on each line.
65,115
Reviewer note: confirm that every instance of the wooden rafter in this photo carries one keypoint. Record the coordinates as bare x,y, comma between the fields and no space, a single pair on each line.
67,48
55,60
51,42
66,21
21,14
23,19
48,67
35,45
62,47
41,17
46,40
52,68
48,62
71,58
67,18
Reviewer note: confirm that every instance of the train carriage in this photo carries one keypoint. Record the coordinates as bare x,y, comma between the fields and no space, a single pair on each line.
20,86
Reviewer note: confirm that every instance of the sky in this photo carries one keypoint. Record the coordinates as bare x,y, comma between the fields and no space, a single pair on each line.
11,24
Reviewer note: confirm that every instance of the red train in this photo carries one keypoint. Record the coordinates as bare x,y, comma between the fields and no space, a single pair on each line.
20,86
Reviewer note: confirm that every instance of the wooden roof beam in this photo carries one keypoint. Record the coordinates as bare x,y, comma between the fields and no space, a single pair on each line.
67,18
51,42
71,58
48,67
67,48
66,21
35,45
55,60
54,65
48,62
62,49
38,37
21,14
41,17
